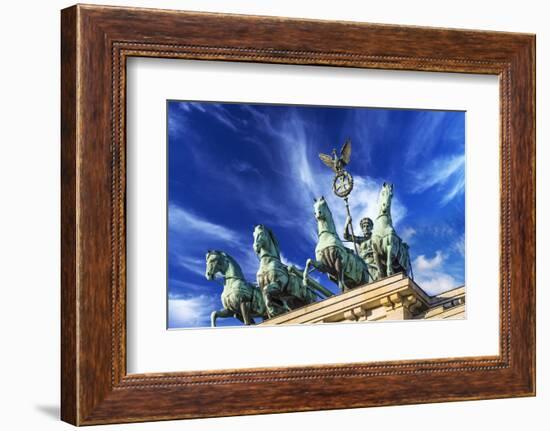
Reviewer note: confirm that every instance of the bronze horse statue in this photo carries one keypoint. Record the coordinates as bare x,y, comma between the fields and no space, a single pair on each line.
240,299
342,265
390,252
282,289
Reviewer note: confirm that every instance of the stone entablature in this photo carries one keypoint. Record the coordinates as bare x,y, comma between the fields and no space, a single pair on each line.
393,298
447,305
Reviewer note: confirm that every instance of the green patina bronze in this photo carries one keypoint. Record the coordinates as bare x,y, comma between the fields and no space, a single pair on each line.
379,253
282,289
341,264
364,242
338,162
240,299
382,250
390,252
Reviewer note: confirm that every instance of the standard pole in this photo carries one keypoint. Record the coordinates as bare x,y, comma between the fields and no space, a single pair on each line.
351,226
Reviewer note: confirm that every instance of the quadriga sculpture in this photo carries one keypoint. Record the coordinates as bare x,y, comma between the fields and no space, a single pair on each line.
282,289
391,254
341,264
240,299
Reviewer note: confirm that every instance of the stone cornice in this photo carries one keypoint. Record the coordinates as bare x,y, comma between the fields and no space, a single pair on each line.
393,298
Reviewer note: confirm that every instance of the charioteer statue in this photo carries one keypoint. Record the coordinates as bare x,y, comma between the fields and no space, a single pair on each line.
364,243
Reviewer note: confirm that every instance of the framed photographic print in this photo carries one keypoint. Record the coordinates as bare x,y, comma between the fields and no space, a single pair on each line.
254,205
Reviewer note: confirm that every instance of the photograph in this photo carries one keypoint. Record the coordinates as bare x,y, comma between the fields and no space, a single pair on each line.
296,214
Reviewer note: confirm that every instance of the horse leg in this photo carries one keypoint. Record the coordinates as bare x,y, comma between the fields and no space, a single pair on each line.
339,267
341,282
389,256
296,289
407,260
259,300
245,312
304,292
377,262
305,274
270,293
315,264
219,313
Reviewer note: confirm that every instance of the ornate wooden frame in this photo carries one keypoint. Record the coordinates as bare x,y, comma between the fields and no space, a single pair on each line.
96,41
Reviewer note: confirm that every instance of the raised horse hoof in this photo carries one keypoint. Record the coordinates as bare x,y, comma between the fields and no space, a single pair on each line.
213,319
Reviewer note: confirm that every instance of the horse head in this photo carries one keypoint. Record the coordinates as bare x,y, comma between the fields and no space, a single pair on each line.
323,215
264,239
385,197
215,262
321,209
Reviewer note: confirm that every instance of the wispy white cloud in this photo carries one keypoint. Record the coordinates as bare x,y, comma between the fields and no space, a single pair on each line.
180,285
364,201
183,221
288,262
192,311
456,188
310,179
407,234
368,132
423,137
440,230
422,263
196,235
302,183
460,245
437,283
446,174
195,265
261,120
240,166
438,172
177,122
430,275
189,106
215,110
248,261
223,116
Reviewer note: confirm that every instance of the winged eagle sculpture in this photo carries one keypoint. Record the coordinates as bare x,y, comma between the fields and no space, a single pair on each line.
335,162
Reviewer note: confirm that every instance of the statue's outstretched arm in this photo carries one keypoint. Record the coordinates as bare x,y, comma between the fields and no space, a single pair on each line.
348,236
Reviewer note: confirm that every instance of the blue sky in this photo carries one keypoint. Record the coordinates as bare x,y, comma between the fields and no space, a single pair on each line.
232,166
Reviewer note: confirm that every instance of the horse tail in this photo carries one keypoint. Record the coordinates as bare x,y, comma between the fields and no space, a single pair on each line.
405,258
410,265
